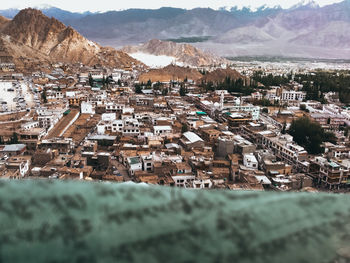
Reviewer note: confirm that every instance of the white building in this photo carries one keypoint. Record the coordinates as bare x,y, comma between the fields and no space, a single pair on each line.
117,126
250,161
101,128
87,108
202,184
185,180
131,127
30,125
293,95
117,75
147,163
108,116
283,147
112,107
128,110
248,108
162,130
134,164
48,118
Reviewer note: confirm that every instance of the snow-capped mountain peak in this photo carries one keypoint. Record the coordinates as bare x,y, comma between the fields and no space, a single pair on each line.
306,3
43,6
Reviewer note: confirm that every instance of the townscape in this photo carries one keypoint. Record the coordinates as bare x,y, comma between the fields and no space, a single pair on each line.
205,131
104,124
215,124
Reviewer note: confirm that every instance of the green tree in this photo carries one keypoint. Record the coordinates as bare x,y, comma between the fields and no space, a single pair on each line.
138,89
149,83
108,80
103,81
91,81
183,91
330,137
184,128
284,128
165,92
14,138
310,135
44,96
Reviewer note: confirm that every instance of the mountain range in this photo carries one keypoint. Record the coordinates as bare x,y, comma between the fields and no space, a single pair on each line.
305,30
33,39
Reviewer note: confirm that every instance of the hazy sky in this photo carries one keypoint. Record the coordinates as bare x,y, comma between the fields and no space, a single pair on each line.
103,5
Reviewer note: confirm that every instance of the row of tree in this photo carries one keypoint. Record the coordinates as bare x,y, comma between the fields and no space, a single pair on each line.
270,80
157,87
106,81
230,84
314,84
317,83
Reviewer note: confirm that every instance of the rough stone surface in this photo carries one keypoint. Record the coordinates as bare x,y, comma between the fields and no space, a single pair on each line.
54,221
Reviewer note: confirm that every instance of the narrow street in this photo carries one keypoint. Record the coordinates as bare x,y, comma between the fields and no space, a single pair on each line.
122,170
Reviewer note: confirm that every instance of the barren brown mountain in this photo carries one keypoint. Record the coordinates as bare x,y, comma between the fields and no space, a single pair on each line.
219,75
169,73
185,53
35,36
3,22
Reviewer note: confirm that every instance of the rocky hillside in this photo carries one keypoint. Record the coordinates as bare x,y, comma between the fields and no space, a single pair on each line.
169,73
23,56
38,37
3,22
219,75
186,54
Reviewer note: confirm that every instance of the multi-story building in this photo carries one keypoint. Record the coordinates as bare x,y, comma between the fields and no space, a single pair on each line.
329,173
254,111
293,95
282,146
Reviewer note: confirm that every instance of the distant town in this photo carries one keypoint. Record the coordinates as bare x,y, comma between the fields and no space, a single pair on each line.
256,126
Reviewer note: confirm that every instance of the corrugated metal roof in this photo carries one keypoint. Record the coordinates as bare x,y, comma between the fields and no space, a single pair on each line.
192,137
14,147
